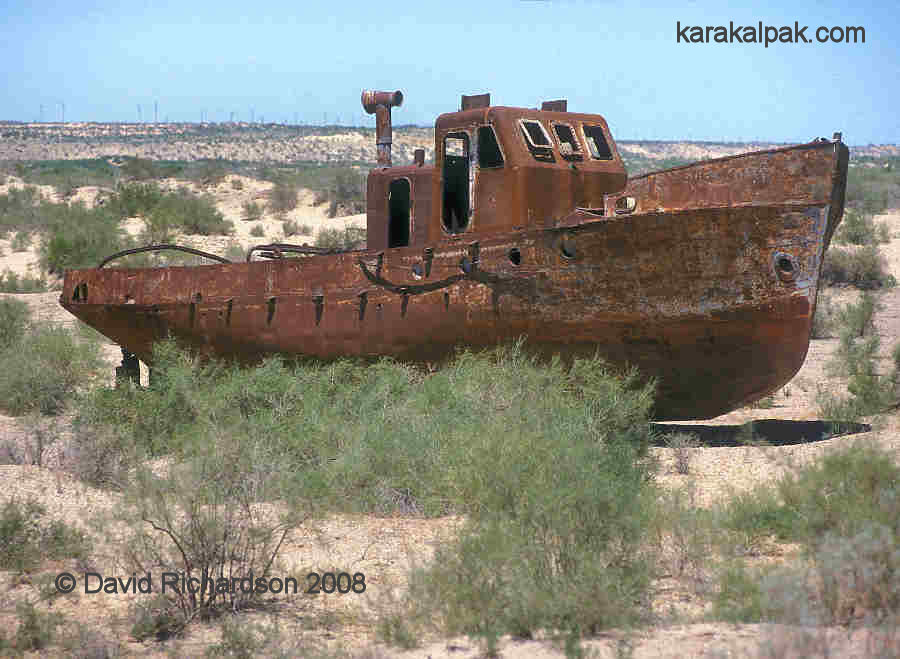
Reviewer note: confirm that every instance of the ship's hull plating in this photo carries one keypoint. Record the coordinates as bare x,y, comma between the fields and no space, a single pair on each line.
715,301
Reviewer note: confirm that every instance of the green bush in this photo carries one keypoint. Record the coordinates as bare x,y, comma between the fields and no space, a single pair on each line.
549,462
858,320
190,214
21,241
844,510
26,540
66,175
568,504
283,197
843,493
860,229
209,172
10,282
290,228
23,209
864,268
14,318
43,369
142,169
251,210
81,238
257,231
856,358
36,629
823,320
872,190
349,238
134,199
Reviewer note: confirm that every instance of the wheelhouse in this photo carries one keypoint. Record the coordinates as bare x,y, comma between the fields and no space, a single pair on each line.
495,169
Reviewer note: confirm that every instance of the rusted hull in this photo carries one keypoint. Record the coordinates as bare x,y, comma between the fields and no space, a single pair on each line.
714,300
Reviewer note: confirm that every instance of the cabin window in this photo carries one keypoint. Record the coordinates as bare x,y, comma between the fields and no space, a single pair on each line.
535,133
489,154
537,139
569,147
455,174
597,143
398,219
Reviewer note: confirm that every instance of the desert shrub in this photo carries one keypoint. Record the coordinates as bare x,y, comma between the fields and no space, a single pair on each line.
251,210
43,369
235,252
571,512
823,319
84,641
191,214
14,318
682,444
21,241
845,512
65,175
569,505
237,184
684,535
208,518
283,197
871,190
81,238
858,320
26,539
241,640
153,421
36,629
208,172
23,209
349,238
859,228
864,268
257,231
349,192
842,494
134,199
142,169
856,357
290,228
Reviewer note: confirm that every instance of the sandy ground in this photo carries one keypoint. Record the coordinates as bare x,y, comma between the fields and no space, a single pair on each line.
384,548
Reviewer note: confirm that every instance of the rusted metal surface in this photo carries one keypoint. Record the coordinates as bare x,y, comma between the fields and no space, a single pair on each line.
474,102
380,103
555,106
707,279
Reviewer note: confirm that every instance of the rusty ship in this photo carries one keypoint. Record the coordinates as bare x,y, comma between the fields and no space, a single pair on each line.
526,224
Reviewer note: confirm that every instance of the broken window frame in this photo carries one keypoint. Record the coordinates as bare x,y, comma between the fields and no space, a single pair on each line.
528,138
592,144
409,211
578,151
541,153
502,162
463,223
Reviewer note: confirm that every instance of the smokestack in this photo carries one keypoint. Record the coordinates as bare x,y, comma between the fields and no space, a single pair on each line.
380,103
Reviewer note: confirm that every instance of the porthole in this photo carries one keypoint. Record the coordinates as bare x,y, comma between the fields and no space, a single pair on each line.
785,267
567,247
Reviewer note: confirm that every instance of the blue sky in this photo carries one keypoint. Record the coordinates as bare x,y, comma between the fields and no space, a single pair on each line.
281,60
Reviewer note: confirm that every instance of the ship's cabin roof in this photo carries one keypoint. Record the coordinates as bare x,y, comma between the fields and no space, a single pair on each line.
528,137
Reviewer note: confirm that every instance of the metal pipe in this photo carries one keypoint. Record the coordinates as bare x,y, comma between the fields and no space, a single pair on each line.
380,104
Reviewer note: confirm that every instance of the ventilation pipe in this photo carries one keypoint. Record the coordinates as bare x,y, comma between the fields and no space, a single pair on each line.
380,103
